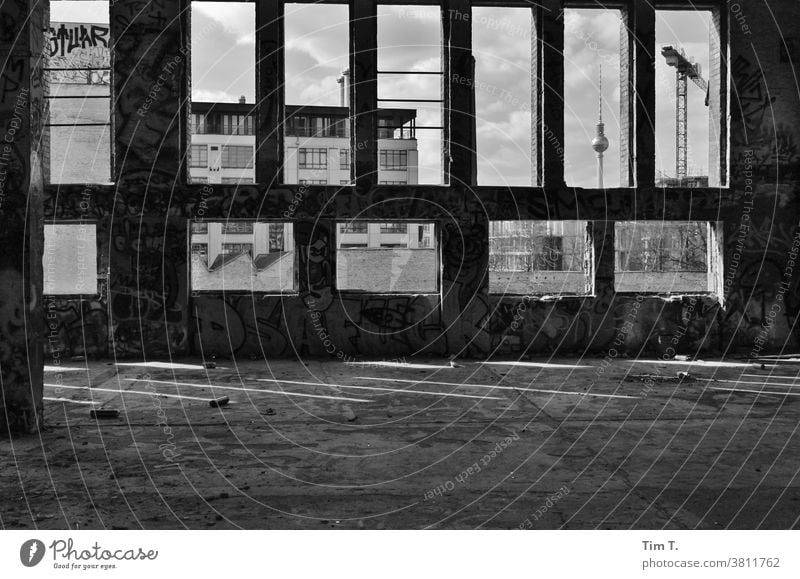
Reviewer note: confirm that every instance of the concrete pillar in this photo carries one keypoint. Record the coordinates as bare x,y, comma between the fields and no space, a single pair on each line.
147,285
22,111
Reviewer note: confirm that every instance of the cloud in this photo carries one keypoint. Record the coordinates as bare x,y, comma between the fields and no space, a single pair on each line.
236,18
79,11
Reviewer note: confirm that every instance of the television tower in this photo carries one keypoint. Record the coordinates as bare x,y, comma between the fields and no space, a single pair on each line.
600,142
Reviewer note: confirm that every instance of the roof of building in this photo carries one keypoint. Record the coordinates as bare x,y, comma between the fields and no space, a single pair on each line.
260,262
396,117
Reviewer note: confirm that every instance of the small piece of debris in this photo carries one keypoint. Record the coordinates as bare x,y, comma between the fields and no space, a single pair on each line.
209,365
104,413
269,412
218,402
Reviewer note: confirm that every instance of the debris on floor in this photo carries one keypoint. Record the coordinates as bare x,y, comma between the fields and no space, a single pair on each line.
219,402
104,413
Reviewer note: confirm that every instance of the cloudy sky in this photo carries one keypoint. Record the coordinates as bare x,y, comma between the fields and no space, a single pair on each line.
223,69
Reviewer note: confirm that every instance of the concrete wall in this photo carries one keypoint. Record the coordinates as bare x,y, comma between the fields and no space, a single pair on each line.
21,229
388,270
147,308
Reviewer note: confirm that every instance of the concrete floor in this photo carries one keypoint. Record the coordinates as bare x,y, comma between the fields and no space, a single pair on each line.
323,444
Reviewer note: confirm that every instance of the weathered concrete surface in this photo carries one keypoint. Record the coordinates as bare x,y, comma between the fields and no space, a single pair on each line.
22,110
662,453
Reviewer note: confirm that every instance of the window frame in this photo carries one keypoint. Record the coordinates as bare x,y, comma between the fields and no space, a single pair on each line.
639,199
228,149
50,99
194,159
197,293
101,277
304,152
714,268
436,249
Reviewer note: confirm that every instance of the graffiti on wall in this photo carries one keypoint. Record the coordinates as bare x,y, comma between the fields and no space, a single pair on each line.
73,46
149,305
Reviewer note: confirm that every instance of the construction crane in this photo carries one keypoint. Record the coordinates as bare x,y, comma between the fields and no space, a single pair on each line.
685,69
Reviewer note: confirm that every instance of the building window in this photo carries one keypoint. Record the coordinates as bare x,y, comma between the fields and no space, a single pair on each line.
394,228
223,65
504,134
276,237
593,136
386,258
237,157
213,124
242,256
312,158
236,124
344,160
689,108
310,126
70,259
238,227
410,86
539,258
394,160
353,227
234,248
199,157
313,181
315,86
393,183
198,124
663,257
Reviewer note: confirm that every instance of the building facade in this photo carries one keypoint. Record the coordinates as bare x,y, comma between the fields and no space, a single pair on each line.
317,147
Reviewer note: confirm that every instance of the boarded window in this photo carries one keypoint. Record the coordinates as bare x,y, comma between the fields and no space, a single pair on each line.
387,257
70,259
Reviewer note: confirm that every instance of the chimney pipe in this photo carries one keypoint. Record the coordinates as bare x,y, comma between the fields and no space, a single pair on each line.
242,100
344,88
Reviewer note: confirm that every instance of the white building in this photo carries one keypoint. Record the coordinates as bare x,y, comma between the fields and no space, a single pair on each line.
316,145
260,255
